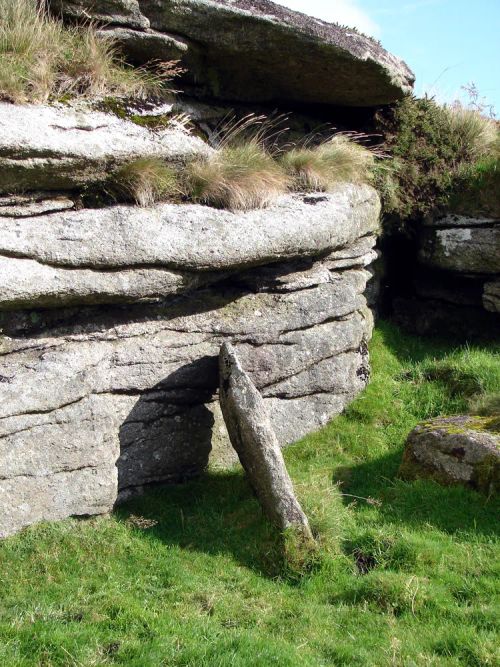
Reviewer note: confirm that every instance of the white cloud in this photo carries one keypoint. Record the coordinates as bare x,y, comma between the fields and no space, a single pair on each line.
346,12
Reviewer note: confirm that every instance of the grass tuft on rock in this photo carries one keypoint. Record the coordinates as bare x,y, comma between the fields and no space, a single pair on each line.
146,181
41,59
320,168
237,177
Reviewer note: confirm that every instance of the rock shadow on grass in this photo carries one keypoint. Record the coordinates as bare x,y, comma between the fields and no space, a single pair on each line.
451,509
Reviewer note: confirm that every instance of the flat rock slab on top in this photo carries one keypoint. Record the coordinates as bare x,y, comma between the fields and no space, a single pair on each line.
257,51
127,254
191,237
455,450
60,148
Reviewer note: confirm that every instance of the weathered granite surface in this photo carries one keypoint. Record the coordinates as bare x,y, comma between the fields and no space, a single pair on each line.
97,401
128,254
253,438
258,51
143,46
62,148
166,235
461,244
461,449
253,50
111,12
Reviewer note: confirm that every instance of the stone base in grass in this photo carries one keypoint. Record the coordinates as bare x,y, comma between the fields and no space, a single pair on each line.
455,450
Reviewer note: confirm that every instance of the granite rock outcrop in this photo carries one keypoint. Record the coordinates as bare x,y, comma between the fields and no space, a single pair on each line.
99,399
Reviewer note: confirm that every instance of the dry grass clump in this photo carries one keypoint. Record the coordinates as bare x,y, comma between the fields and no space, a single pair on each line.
319,169
476,134
41,59
239,178
146,181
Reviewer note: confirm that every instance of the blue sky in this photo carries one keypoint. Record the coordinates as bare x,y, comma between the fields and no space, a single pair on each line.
447,43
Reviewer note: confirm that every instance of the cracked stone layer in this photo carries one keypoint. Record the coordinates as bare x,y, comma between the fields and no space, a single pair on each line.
461,244
114,12
195,238
29,499
258,51
105,399
137,385
244,50
145,46
458,268
74,147
25,283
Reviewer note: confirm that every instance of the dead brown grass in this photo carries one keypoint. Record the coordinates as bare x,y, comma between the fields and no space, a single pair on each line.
320,168
238,178
41,59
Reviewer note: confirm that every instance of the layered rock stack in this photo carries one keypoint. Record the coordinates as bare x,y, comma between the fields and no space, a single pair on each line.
252,51
112,316
457,282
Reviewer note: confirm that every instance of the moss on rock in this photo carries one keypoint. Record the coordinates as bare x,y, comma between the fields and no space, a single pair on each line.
461,449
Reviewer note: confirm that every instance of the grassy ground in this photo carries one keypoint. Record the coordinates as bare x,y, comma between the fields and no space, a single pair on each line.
192,575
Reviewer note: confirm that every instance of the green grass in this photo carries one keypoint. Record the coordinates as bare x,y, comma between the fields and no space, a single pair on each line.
442,156
192,576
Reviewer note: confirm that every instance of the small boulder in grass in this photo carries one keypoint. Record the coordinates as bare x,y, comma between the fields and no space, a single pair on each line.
455,450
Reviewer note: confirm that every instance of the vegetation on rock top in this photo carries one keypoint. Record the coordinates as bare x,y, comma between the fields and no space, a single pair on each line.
442,157
320,168
42,60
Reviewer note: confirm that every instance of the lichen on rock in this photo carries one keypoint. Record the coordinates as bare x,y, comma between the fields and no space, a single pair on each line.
455,450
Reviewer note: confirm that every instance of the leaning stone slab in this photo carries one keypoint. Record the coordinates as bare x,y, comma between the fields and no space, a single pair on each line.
258,51
74,147
455,450
255,442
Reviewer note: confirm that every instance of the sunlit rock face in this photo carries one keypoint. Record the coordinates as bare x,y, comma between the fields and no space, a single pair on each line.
112,320
112,316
